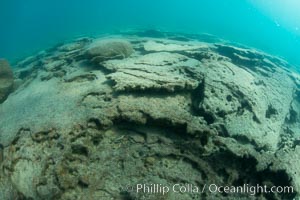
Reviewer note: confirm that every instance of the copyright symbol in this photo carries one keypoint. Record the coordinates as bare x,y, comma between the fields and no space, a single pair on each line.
127,188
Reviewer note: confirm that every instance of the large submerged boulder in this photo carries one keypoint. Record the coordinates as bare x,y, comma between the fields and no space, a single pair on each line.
6,80
107,49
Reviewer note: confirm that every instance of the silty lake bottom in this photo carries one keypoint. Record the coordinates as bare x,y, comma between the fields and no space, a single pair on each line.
123,116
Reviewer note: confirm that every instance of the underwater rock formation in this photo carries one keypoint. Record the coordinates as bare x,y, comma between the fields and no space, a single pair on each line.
6,80
84,124
106,49
154,71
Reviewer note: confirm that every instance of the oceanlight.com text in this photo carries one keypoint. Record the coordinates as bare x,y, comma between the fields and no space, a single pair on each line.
211,188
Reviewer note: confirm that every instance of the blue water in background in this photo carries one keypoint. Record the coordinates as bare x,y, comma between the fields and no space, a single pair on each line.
28,26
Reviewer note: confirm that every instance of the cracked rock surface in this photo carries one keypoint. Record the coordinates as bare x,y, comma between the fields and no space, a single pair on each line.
90,117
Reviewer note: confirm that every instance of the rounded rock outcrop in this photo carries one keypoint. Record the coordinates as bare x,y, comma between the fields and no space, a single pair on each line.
107,49
6,80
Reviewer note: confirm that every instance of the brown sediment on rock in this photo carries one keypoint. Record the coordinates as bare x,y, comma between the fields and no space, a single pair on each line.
197,115
6,80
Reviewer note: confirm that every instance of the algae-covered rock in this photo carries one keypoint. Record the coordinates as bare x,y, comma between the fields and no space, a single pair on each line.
6,80
155,46
173,113
106,49
155,71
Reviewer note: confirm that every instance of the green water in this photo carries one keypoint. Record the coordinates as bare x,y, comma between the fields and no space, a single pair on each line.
33,25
